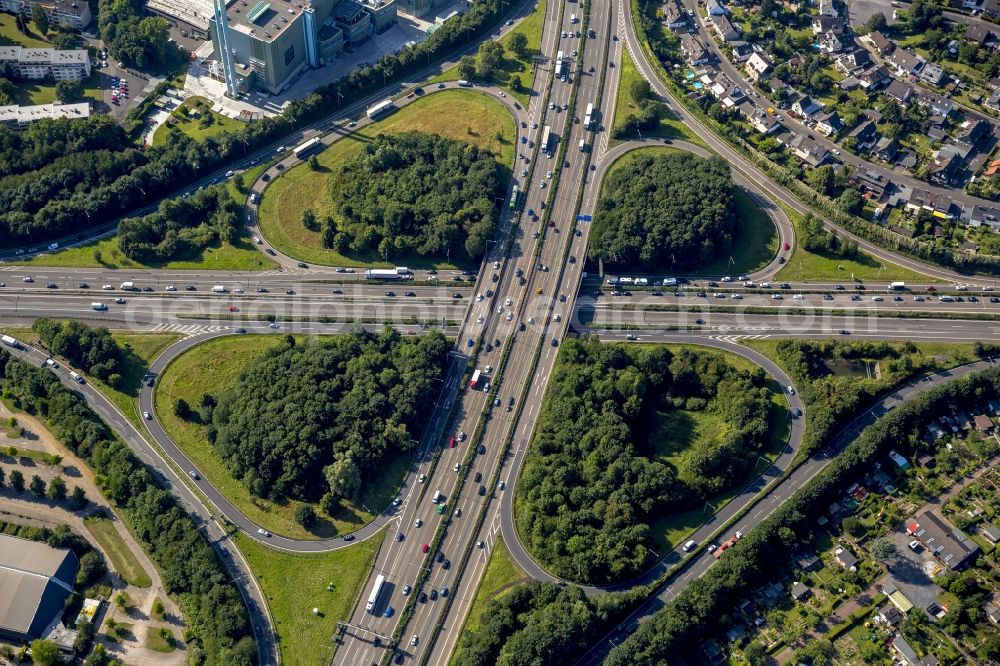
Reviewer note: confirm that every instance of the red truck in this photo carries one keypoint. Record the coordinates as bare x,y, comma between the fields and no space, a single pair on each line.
718,550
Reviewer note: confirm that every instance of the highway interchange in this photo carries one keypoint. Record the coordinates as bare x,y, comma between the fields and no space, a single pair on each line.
536,287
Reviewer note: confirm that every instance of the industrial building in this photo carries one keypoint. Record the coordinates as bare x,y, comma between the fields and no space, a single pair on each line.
192,14
74,13
24,63
35,580
421,8
266,43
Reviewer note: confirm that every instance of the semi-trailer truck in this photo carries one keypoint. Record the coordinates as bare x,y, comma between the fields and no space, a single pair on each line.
717,553
474,383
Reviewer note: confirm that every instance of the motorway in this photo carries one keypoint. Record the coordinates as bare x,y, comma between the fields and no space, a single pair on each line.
533,286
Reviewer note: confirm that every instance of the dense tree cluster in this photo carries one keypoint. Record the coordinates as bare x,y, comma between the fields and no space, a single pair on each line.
92,194
592,484
306,418
416,193
673,635
180,226
135,38
218,625
538,623
832,397
815,238
91,349
668,210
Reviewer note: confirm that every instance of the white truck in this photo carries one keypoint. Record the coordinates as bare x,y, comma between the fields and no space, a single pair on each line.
10,342
76,377
219,289
897,286
100,307
127,286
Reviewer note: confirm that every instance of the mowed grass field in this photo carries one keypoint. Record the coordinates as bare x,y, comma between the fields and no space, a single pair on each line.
294,584
806,265
464,115
755,239
191,125
209,368
122,559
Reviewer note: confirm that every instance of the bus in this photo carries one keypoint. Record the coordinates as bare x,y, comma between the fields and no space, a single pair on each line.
589,116
376,593
559,63
513,198
382,108
307,147
547,140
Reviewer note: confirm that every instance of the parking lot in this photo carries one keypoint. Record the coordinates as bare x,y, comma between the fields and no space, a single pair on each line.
909,573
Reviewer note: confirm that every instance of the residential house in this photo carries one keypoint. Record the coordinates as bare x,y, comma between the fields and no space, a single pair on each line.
764,122
905,63
980,34
990,532
907,653
991,8
992,169
947,169
937,128
993,613
921,202
725,29
758,66
865,135
673,16
887,148
980,215
807,560
823,24
855,61
694,50
870,182
734,96
806,106
882,44
932,74
952,547
832,42
874,78
829,124
807,150
888,615
845,558
983,424
799,591
715,8
936,104
899,91
740,50
974,132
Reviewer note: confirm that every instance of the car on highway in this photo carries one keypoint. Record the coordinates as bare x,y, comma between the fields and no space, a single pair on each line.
190,287
415,639
407,589
106,287
389,611
120,301
457,513
687,547
261,531
421,478
170,287
194,475
349,537
424,548
51,285
83,285
480,544
418,522
461,436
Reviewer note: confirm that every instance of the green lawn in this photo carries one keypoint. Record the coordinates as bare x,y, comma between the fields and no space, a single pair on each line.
11,36
500,572
191,125
294,584
122,559
522,66
156,642
805,265
755,240
214,365
240,256
458,114
625,105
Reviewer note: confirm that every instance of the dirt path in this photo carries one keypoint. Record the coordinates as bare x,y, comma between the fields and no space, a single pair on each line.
29,510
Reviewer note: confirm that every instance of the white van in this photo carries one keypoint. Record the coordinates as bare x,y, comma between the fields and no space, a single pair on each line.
572,18
583,146
76,378
437,496
689,546
100,307
464,83
219,289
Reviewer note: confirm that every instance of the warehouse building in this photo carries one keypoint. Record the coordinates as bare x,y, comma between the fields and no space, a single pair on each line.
35,580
